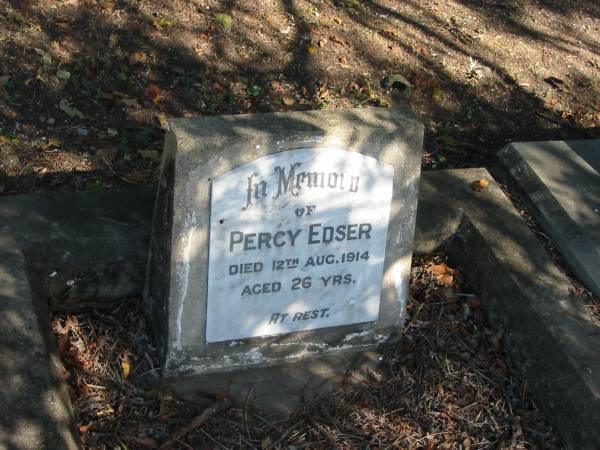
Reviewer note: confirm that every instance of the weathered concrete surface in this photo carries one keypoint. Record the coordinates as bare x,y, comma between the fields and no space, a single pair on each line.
196,151
561,185
549,336
35,410
95,240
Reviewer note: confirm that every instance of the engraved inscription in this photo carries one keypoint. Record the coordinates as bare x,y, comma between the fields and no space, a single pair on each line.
297,243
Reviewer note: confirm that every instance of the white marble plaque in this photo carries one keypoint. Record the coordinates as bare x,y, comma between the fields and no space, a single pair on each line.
297,242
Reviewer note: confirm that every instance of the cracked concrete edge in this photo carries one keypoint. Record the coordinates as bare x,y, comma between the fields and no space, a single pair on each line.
522,291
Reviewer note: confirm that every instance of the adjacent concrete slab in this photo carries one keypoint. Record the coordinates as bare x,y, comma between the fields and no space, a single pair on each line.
94,243
561,184
548,331
100,240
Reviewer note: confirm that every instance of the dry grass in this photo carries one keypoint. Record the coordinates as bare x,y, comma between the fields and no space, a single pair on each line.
446,382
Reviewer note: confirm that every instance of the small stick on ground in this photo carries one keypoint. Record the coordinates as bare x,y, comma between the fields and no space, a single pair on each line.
220,405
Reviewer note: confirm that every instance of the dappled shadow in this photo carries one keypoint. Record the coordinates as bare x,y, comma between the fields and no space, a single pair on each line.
202,70
58,248
477,69
36,409
549,330
516,280
518,18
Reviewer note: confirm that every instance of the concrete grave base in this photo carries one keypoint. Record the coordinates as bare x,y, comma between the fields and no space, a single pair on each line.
280,389
99,241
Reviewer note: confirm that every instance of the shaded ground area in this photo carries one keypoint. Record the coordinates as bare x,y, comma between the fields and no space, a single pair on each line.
446,382
86,85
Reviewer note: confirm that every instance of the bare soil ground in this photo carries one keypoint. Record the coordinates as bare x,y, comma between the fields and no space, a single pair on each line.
85,85
446,383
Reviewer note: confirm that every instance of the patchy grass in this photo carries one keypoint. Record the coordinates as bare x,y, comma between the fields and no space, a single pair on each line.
446,382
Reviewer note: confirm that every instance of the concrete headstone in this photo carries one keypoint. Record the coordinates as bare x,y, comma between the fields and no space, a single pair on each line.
281,248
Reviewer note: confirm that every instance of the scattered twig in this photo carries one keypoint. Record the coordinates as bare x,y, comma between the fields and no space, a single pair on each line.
562,123
220,405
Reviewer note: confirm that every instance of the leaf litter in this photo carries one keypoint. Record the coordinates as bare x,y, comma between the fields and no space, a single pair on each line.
446,382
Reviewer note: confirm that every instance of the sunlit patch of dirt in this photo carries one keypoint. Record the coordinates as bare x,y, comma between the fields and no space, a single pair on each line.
482,73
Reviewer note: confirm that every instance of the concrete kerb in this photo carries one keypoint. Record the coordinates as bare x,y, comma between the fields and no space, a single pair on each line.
93,244
99,240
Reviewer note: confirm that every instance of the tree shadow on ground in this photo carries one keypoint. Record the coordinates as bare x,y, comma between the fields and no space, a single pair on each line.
332,55
483,73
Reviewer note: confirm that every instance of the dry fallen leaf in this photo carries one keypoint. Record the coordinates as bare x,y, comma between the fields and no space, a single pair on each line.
137,57
131,103
266,443
149,154
587,123
164,410
68,109
480,185
108,5
64,22
443,273
61,342
311,49
154,92
161,23
52,142
3,80
474,303
109,153
288,101
163,121
225,20
126,367
113,40
437,93
146,441
449,140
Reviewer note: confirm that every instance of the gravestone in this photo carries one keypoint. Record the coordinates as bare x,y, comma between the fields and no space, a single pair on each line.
560,180
281,249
